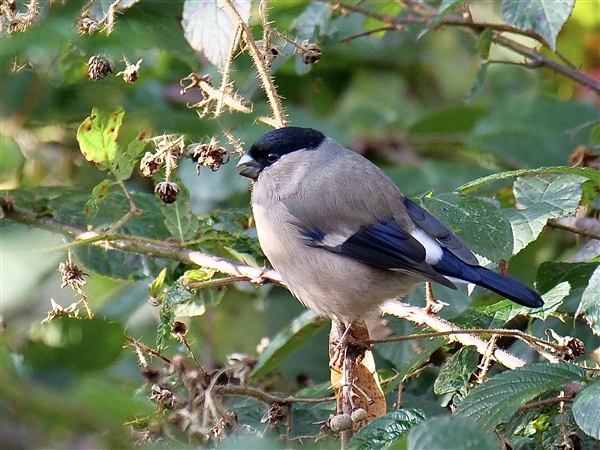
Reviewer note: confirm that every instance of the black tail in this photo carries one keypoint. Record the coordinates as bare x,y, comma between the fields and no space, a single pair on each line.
451,266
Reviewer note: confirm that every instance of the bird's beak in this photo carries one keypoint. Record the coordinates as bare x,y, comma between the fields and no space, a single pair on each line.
248,167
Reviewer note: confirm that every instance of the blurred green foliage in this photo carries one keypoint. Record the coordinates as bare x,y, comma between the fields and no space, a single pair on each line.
400,98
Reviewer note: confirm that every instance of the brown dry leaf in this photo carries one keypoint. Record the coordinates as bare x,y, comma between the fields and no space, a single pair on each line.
367,387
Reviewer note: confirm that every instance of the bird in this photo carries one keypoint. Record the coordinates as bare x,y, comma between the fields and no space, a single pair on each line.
342,236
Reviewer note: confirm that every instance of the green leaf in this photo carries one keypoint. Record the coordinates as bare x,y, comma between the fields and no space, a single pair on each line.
384,431
499,398
484,43
477,222
100,191
455,373
585,409
181,222
544,17
389,9
587,172
197,275
126,161
595,136
155,289
211,29
287,341
97,135
78,345
477,85
541,198
315,22
552,273
590,303
552,300
452,432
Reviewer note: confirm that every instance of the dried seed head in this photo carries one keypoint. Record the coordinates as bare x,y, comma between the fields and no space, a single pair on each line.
71,275
576,348
149,165
273,415
100,66
310,53
131,72
167,191
87,25
209,155
179,329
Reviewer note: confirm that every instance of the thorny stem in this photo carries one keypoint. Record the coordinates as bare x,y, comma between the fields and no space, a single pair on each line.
263,72
549,401
232,389
536,58
141,246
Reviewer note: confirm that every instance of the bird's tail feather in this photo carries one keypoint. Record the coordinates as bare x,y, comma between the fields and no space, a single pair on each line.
451,266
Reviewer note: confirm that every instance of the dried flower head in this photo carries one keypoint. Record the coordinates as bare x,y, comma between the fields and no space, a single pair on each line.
99,66
208,154
71,275
149,164
167,191
87,25
310,53
131,72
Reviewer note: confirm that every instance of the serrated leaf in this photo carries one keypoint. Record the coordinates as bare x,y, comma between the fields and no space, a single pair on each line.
97,135
541,198
384,431
585,409
476,222
181,222
590,303
74,344
541,16
211,29
314,22
289,339
452,432
499,398
455,372
552,300
125,161
552,273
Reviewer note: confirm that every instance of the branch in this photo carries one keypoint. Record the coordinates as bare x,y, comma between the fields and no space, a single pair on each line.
419,316
427,13
136,244
232,389
586,226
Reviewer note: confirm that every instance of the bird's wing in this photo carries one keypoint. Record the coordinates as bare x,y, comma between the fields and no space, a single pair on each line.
437,230
384,245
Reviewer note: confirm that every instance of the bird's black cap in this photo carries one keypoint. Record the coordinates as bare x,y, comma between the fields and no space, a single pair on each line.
274,144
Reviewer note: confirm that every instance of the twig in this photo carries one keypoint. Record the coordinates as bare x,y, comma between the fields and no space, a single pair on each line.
263,72
143,246
418,315
537,58
264,397
586,226
548,401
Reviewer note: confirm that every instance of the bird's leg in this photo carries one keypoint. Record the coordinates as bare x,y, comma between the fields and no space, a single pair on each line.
432,306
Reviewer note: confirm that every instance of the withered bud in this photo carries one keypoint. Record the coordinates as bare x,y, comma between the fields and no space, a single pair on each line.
71,275
149,165
179,329
99,66
167,191
208,154
86,25
310,53
131,72
273,415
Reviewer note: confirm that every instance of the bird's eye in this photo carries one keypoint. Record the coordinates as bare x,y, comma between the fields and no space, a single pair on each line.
272,157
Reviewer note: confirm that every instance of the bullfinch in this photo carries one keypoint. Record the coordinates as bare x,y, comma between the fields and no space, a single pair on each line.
341,234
